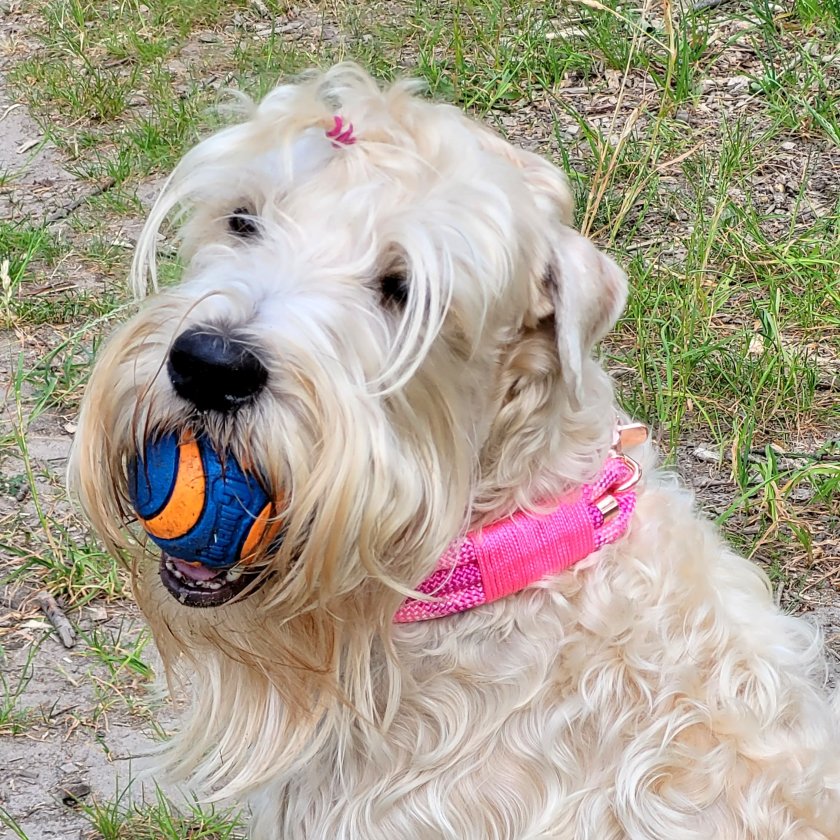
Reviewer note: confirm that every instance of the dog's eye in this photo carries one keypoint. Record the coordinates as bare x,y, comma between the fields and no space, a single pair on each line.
394,288
241,223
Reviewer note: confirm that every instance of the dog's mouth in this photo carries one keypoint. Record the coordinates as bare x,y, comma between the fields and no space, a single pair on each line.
196,585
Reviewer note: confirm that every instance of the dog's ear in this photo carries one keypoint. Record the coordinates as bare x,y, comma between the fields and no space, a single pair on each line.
584,292
578,286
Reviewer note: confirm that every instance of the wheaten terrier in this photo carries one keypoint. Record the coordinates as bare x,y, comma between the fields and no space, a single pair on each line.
386,316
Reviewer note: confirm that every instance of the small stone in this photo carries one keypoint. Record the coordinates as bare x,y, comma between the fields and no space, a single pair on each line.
27,145
789,146
97,614
34,624
708,456
613,78
682,116
649,25
72,793
801,493
738,83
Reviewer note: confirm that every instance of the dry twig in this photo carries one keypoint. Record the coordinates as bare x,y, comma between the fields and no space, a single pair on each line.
57,618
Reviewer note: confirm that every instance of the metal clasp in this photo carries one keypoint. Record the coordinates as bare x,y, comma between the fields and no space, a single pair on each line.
627,435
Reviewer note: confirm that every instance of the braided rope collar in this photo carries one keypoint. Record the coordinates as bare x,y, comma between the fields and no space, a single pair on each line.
515,552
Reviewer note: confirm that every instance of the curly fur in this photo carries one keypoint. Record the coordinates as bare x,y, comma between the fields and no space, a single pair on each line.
654,691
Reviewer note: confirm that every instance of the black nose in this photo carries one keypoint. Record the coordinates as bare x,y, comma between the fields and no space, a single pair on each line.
214,371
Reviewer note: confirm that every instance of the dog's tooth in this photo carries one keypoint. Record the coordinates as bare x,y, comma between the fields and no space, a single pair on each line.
211,584
233,574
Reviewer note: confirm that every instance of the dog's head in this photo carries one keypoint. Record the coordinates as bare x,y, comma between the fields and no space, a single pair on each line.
393,321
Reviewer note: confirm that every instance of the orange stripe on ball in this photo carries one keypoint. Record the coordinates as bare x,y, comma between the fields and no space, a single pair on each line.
184,507
264,527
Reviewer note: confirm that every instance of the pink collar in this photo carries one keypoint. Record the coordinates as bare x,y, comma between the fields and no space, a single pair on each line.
515,552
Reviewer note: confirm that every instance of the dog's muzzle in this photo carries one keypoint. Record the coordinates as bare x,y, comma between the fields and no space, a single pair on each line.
214,371
197,585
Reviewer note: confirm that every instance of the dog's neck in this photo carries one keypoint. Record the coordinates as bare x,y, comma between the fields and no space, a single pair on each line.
541,444
517,551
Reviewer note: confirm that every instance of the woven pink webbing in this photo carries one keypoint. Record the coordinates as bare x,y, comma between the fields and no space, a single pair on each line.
515,552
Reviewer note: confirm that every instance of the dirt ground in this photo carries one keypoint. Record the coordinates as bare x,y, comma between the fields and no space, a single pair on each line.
79,743
79,722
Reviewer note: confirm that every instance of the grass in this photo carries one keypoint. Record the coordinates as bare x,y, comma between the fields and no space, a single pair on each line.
122,654
19,246
29,295
78,572
703,149
118,819
15,719
44,550
121,818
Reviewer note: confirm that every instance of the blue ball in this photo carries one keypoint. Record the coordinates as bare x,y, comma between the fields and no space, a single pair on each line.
196,505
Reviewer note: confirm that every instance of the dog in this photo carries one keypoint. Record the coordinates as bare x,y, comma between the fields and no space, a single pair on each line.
386,310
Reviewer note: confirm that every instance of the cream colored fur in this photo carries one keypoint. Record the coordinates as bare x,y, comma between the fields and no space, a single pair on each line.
653,692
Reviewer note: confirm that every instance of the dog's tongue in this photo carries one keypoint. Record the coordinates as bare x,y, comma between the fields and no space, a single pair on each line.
194,571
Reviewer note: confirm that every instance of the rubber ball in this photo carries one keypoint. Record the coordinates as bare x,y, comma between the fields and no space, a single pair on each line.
197,505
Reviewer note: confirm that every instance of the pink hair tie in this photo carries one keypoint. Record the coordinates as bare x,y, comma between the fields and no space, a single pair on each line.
340,134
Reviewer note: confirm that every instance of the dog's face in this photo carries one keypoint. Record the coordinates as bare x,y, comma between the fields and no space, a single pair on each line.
394,330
